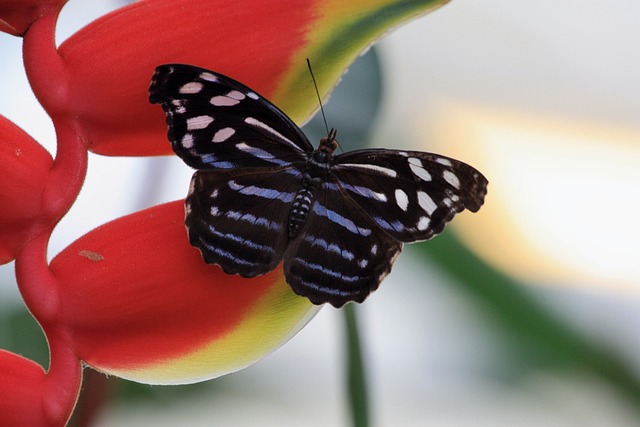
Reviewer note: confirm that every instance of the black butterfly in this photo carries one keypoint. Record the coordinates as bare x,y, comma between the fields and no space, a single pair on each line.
262,195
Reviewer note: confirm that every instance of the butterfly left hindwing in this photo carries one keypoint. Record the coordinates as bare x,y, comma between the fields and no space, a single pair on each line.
340,255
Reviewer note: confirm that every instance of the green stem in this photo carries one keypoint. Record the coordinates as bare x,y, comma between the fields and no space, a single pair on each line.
357,381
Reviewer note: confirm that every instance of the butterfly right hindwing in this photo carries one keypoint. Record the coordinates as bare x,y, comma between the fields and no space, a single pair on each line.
238,218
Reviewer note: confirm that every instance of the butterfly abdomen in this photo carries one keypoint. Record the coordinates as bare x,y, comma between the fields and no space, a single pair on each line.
300,210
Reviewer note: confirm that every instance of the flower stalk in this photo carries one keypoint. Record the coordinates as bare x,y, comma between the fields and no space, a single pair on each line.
356,370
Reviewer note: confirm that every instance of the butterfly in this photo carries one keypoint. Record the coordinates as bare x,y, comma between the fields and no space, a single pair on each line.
262,195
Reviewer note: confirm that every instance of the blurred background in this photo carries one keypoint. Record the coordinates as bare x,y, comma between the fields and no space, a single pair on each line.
525,313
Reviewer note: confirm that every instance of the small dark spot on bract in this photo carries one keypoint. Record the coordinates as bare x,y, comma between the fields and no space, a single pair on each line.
90,255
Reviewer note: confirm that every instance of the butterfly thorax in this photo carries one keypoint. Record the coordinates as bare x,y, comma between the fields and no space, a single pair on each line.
321,159
316,171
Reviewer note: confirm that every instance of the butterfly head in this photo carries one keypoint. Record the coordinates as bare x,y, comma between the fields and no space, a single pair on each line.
329,143
321,160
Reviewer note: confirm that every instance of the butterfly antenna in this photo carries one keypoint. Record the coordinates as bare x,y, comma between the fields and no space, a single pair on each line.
315,85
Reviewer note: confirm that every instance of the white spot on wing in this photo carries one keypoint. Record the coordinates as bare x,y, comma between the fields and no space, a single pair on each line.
336,218
426,202
443,161
208,77
328,272
223,101
401,199
253,220
236,95
223,134
239,239
257,123
385,171
418,169
423,223
451,178
199,122
253,95
329,247
362,191
191,87
267,193
259,153
187,141
179,106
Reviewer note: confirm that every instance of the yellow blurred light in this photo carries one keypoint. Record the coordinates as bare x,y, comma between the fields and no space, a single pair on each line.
563,195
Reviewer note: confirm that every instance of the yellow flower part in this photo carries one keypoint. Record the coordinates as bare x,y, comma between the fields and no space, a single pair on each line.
340,33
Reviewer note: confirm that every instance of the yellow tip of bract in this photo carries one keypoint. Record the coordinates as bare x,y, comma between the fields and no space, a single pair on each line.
275,318
339,33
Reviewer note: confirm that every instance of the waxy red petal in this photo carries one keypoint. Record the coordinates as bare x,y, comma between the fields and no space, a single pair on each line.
31,397
22,383
139,302
24,166
17,15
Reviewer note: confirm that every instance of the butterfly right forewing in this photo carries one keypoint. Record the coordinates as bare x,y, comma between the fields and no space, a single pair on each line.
215,122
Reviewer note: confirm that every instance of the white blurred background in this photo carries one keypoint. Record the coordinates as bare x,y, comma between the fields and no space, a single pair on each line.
563,70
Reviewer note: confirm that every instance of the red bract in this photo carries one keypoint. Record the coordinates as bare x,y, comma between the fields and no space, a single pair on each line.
29,397
17,15
25,166
133,298
25,379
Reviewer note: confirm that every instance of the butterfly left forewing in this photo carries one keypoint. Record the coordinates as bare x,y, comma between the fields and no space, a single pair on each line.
411,195
215,122
340,255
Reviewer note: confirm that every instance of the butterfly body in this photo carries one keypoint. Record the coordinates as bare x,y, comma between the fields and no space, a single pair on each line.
262,195
316,170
